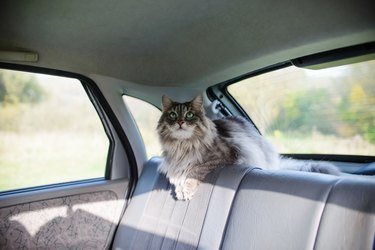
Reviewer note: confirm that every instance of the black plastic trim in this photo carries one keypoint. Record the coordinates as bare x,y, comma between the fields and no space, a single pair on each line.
366,170
334,55
49,186
107,129
224,85
98,96
333,157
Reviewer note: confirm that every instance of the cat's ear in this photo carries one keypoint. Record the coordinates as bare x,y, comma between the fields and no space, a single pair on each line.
167,102
197,102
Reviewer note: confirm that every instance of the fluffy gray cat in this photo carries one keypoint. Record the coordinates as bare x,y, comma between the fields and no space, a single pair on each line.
194,145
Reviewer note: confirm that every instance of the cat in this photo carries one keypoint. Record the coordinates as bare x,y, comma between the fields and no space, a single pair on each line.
194,145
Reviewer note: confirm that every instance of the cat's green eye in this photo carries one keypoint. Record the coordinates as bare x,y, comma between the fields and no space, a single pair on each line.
172,115
189,115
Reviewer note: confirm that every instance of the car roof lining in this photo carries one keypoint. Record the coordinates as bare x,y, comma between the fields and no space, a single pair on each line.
172,43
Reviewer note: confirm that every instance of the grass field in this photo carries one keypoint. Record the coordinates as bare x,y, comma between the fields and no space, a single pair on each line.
44,158
56,138
317,143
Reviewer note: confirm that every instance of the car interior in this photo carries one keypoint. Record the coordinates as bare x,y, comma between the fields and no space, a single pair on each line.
81,84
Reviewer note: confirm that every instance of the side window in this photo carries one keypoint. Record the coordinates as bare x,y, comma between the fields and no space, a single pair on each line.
327,111
49,131
146,116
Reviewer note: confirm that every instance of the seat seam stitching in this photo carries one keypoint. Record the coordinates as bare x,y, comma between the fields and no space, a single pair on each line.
205,215
158,221
324,210
156,177
247,171
181,227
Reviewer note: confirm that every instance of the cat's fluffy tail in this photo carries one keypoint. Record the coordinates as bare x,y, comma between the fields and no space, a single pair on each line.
309,166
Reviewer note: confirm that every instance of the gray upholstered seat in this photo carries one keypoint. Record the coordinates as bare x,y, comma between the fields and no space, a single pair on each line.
297,210
245,208
155,220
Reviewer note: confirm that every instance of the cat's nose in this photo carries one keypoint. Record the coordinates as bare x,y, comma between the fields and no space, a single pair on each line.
180,123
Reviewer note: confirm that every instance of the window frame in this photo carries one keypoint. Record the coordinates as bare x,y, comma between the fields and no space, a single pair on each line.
107,117
220,92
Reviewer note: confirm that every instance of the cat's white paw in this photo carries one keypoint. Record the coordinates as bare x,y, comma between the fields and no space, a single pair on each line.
188,195
184,195
186,190
179,193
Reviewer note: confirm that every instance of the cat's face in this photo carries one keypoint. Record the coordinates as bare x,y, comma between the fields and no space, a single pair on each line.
181,121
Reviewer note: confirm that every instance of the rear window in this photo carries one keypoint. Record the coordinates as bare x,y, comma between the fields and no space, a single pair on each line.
327,111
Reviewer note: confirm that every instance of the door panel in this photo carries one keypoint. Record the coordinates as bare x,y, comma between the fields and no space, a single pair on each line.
65,161
84,216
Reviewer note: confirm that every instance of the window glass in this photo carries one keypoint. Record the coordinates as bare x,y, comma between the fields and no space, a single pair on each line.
327,111
49,131
146,116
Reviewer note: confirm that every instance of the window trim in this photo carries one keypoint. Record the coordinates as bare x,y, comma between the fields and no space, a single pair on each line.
333,157
49,186
107,117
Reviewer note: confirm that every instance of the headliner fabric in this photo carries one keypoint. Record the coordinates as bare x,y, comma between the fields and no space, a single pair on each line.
174,43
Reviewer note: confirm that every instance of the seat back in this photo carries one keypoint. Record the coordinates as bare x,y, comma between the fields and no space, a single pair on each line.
297,210
154,219
238,207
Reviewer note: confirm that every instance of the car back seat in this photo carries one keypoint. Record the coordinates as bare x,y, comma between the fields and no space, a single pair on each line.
155,220
240,207
297,210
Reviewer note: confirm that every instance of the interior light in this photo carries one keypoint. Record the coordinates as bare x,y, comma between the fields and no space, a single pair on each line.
19,56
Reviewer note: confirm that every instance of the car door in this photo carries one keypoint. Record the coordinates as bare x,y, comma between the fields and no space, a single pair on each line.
65,162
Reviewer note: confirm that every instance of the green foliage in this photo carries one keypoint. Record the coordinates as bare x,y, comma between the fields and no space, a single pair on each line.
19,88
49,132
297,103
18,91
357,111
304,111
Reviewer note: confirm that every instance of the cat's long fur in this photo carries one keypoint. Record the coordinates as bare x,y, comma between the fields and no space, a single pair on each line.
195,147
